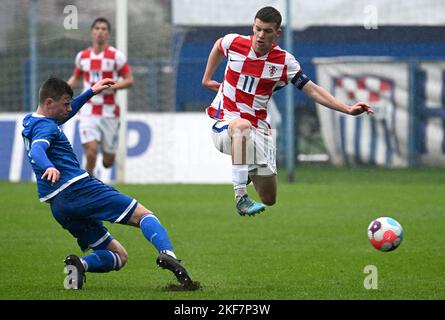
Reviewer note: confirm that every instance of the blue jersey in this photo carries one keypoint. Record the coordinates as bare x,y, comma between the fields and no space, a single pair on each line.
40,130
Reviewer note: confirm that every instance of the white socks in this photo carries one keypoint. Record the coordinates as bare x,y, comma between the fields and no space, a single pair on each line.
240,174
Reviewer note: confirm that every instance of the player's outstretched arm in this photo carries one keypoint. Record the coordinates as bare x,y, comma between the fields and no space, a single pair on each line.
215,58
79,101
323,97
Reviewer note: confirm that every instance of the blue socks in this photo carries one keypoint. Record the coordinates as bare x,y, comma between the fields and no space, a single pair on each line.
155,233
106,260
102,261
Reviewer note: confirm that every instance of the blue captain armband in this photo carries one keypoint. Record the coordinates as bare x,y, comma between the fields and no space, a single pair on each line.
300,80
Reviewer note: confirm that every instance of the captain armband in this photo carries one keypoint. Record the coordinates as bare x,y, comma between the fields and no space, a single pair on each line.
300,80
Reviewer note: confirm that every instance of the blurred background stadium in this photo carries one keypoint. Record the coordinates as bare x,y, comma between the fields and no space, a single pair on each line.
398,44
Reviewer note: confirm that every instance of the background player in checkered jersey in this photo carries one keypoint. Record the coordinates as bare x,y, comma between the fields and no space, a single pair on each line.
81,203
99,118
256,67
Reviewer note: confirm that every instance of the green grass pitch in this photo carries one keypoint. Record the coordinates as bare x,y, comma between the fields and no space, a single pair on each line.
311,245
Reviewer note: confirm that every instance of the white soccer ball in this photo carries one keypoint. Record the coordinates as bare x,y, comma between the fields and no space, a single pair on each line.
385,233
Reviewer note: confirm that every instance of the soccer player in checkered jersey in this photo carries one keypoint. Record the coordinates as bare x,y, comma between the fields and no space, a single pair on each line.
99,118
256,67
79,202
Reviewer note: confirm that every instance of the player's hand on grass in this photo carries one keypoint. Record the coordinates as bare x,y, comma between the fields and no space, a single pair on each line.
359,108
101,85
51,174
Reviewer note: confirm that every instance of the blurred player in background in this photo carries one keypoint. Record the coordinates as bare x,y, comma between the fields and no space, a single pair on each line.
79,202
256,68
99,119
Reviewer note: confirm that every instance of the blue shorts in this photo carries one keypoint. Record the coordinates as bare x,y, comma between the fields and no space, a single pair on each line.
82,207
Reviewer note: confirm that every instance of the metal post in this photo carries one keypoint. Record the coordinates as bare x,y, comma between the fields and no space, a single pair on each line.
412,127
290,135
122,44
33,55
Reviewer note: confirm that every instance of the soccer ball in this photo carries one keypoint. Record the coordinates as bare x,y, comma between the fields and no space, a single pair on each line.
385,234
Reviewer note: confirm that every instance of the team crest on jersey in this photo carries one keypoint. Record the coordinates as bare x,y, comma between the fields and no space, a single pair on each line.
272,70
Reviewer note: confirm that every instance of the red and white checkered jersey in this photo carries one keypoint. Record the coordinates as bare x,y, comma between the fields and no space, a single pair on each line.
250,80
110,63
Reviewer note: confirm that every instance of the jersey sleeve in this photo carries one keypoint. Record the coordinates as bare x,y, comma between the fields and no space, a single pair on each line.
77,65
42,135
122,65
226,42
38,155
44,131
292,67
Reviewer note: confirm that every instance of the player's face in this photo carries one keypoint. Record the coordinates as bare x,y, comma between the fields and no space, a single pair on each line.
59,109
264,34
100,33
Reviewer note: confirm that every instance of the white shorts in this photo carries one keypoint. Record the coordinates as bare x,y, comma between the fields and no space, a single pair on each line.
261,154
100,129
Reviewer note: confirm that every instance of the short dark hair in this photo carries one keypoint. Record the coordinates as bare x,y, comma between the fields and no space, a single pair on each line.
269,14
103,20
54,88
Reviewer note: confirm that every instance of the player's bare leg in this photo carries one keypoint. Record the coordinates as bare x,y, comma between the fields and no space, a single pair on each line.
266,187
90,151
239,131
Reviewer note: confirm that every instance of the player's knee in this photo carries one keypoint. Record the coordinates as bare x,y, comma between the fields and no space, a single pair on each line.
238,126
